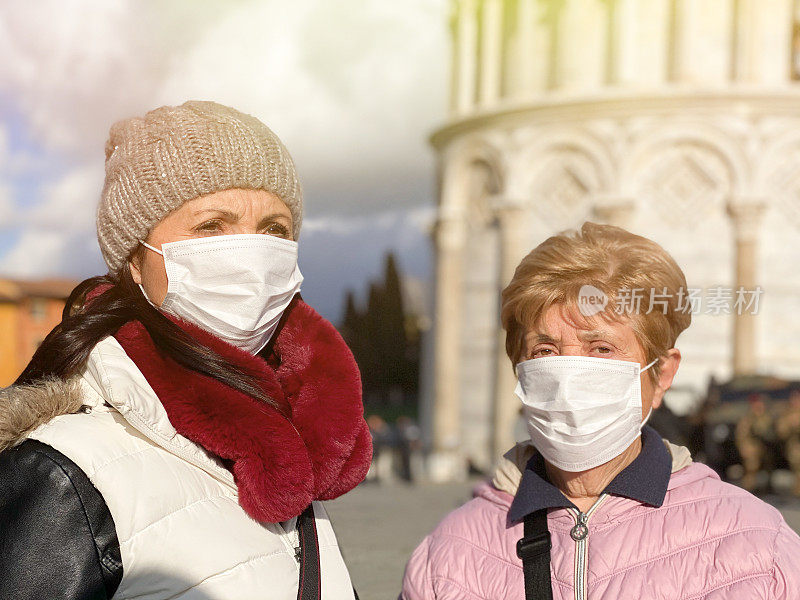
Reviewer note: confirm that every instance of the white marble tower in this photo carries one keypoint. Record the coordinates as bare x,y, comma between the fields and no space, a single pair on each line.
677,119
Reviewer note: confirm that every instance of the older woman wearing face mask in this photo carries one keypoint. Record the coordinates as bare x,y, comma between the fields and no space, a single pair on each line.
173,436
596,504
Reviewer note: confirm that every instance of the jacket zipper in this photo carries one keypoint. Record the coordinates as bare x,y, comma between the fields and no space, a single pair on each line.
137,424
290,536
579,533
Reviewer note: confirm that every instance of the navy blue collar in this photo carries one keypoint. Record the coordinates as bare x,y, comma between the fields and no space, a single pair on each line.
644,480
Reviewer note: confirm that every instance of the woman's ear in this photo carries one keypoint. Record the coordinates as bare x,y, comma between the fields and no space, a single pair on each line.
669,366
135,265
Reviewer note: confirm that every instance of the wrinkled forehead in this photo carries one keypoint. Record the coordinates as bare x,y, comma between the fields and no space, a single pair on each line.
570,313
552,320
239,201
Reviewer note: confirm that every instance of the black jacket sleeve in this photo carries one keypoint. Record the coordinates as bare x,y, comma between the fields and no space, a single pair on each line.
57,536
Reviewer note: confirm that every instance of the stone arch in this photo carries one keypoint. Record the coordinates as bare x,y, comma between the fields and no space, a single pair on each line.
699,133
484,185
685,174
568,172
778,176
473,162
542,142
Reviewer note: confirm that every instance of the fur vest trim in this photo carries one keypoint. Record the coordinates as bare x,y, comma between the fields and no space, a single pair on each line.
319,449
23,408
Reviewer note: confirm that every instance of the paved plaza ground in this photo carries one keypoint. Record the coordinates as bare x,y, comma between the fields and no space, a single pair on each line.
380,525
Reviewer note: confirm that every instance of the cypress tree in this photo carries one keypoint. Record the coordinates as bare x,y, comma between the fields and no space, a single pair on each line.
383,338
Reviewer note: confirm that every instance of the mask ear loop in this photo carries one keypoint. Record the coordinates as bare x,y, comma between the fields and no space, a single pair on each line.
650,412
141,287
146,245
650,364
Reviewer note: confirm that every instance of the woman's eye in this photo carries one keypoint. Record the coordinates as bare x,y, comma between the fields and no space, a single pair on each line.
277,229
211,226
538,352
604,349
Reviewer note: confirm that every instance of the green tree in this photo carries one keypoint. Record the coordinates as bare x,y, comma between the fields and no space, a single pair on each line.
385,342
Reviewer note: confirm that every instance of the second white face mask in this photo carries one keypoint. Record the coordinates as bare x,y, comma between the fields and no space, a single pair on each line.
234,286
581,411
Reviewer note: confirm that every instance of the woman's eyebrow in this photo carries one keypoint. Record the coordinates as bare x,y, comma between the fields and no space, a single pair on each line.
273,217
225,214
598,333
542,338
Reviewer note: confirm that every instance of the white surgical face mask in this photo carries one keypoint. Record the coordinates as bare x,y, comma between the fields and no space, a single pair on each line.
581,411
234,286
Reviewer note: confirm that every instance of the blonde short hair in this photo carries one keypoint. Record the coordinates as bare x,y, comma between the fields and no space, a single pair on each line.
612,260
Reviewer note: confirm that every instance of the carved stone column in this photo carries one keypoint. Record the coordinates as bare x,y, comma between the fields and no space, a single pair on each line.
678,40
466,55
552,16
746,52
746,217
612,42
491,50
526,48
514,226
446,461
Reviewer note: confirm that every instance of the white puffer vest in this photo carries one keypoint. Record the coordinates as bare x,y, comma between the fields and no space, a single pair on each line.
182,533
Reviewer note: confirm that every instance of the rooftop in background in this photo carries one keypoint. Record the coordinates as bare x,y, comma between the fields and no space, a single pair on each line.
14,290
29,309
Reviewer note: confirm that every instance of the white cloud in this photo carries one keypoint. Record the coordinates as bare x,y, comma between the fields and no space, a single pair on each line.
60,65
58,234
38,253
72,70
4,144
7,218
70,202
6,206
13,161
419,219
353,87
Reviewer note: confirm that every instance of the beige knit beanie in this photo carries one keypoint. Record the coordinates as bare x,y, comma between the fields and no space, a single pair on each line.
177,153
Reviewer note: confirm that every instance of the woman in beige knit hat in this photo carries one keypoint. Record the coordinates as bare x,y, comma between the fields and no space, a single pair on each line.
173,436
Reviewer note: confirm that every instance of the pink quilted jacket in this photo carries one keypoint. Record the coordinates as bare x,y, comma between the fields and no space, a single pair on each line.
709,540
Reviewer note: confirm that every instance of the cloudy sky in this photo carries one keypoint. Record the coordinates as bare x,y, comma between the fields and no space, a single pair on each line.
353,87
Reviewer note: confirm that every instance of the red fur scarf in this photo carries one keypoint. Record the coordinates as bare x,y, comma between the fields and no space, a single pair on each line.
315,447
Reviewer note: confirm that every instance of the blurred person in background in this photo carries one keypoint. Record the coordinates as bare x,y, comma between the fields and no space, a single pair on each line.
788,430
755,434
596,504
173,436
383,442
409,437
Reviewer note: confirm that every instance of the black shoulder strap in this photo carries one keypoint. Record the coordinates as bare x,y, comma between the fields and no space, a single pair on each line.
534,550
310,587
